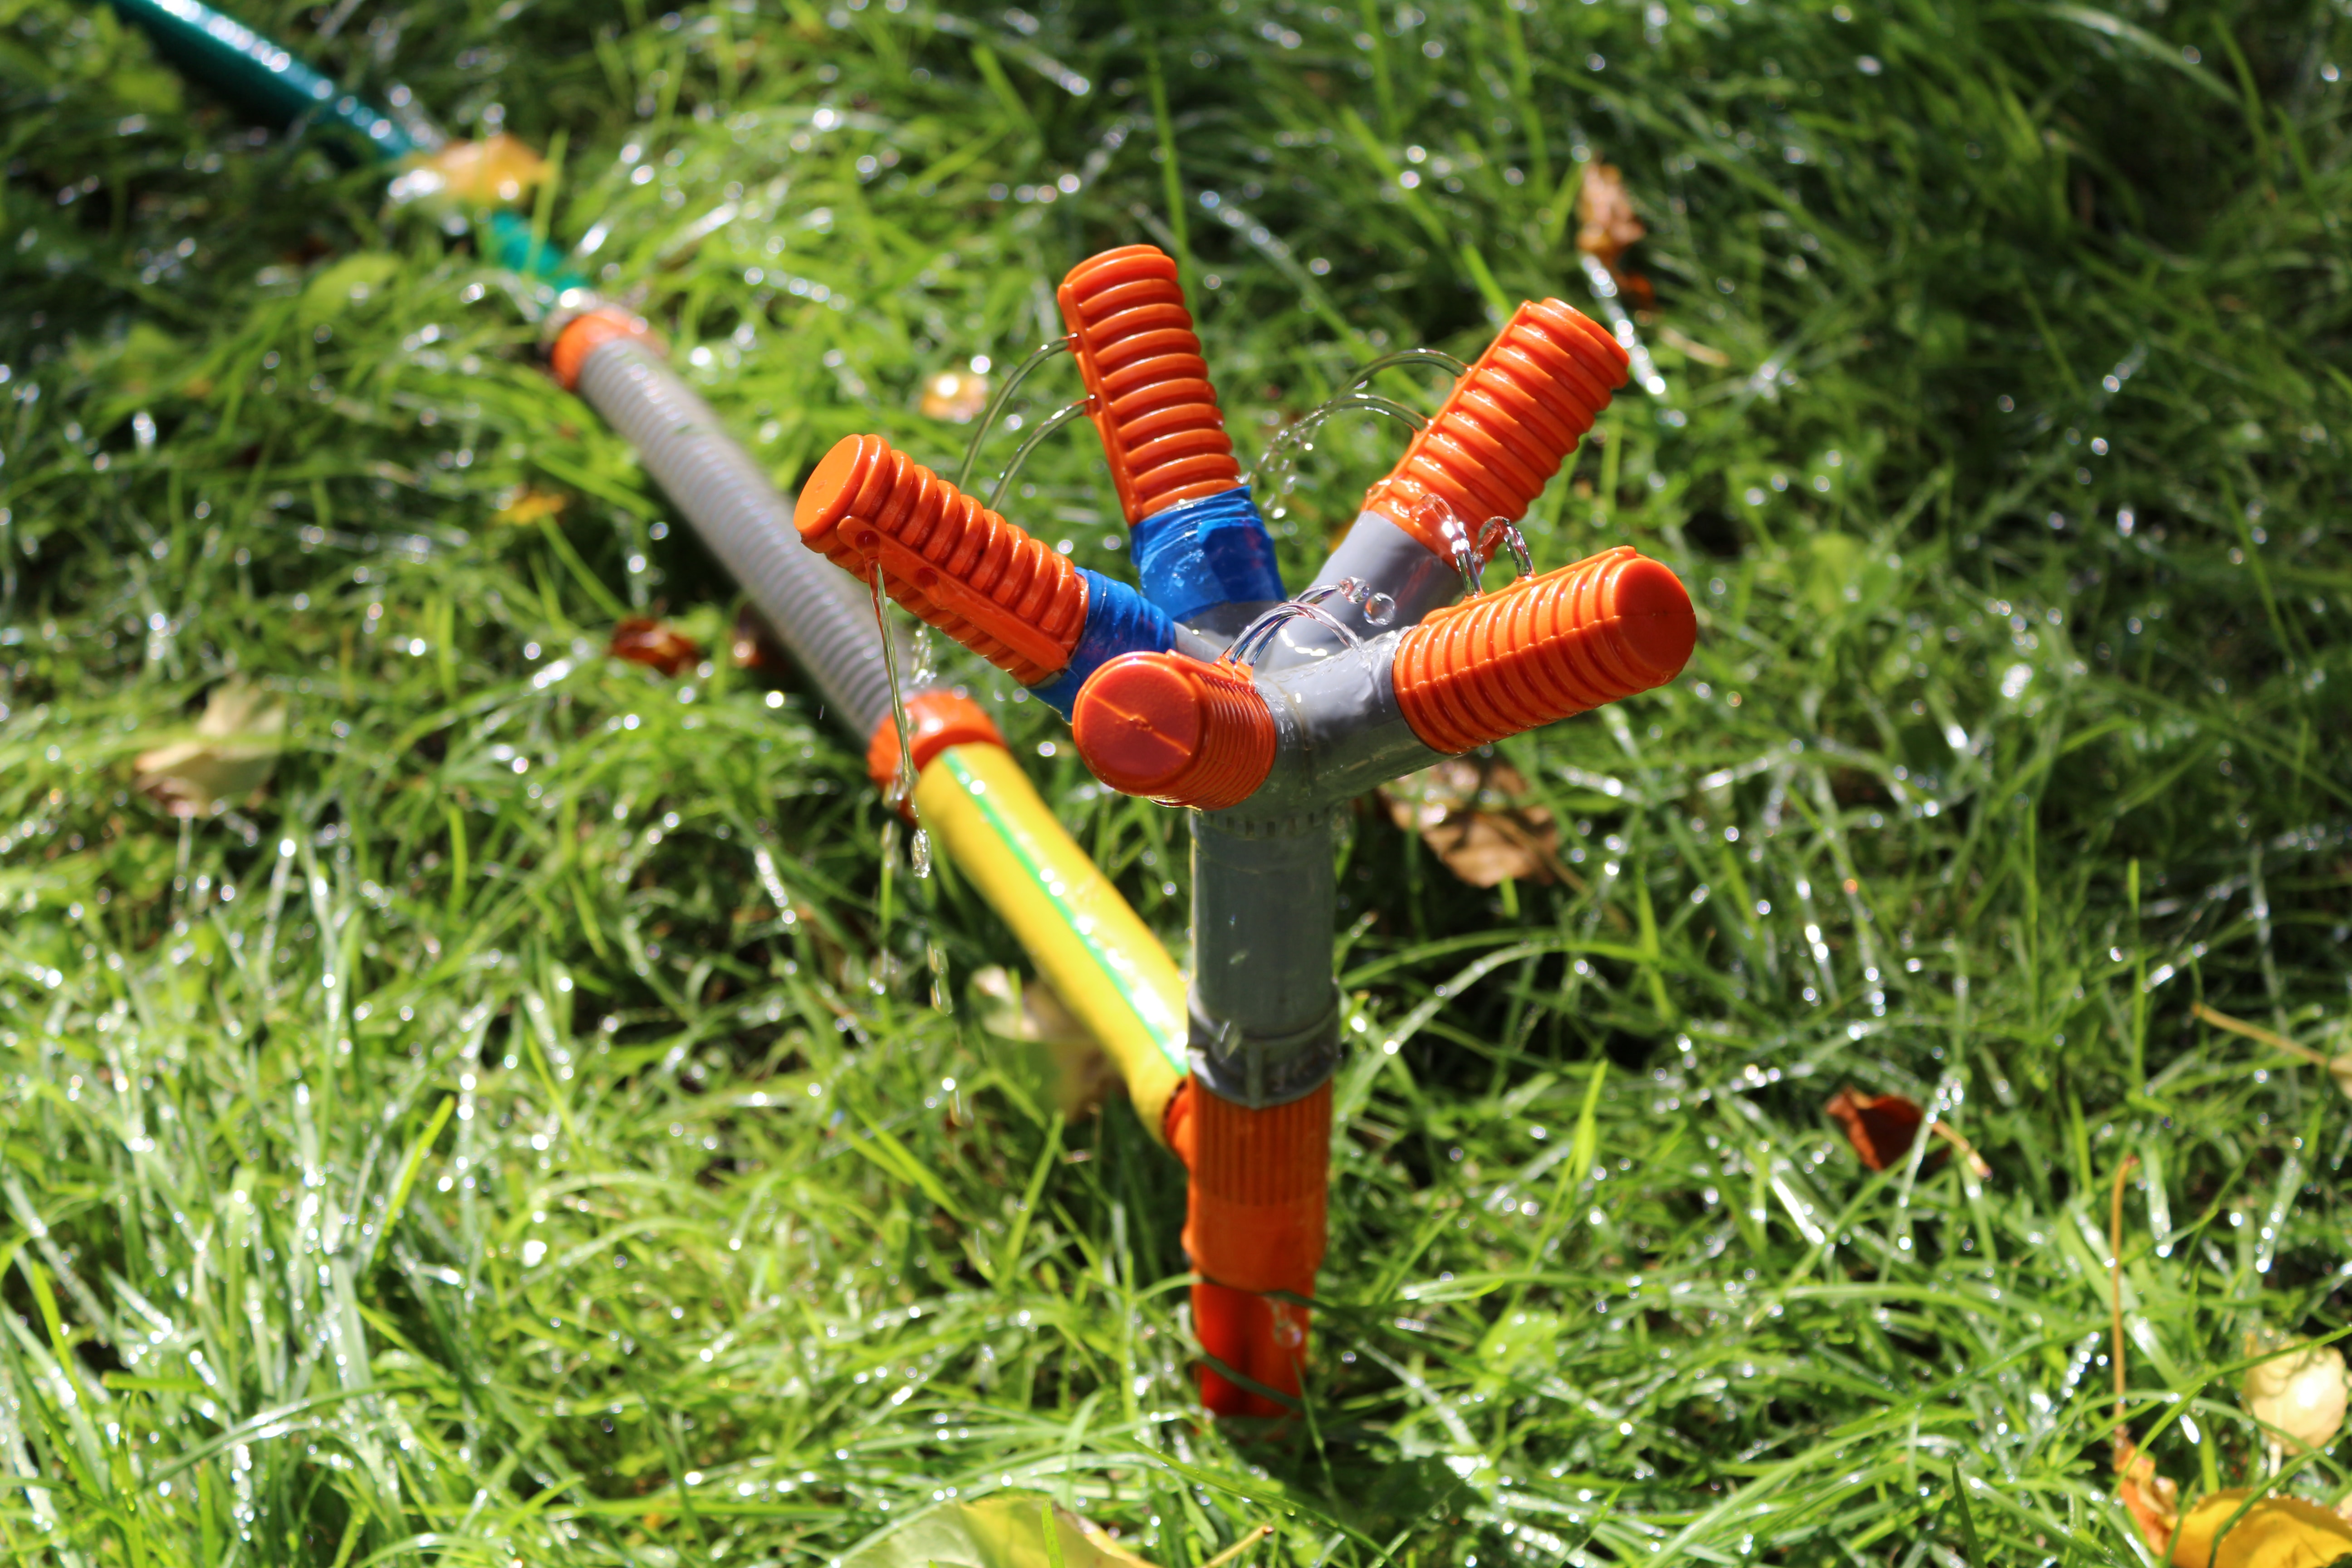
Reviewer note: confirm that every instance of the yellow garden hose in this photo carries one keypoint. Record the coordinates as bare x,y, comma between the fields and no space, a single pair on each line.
1106,966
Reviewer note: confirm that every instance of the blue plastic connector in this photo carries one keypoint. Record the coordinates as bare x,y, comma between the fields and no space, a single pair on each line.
1202,554
1118,621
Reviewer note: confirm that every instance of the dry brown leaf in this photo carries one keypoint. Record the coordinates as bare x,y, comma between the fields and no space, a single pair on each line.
1466,810
2153,1502
2299,1394
1882,1127
1607,225
232,753
2275,1532
957,395
1082,1073
656,645
752,646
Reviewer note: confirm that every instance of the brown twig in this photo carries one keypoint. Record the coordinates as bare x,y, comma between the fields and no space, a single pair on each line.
2256,1032
1950,1134
1231,1552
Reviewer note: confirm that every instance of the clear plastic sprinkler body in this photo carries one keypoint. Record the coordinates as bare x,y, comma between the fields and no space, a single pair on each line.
1207,688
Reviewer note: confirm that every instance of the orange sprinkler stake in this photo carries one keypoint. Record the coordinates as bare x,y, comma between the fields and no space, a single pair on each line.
1255,1223
1505,429
1542,649
1147,384
583,335
1175,729
947,559
935,720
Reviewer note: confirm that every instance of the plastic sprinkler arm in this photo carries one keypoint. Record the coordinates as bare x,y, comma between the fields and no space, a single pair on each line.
1503,432
1202,551
1545,648
987,583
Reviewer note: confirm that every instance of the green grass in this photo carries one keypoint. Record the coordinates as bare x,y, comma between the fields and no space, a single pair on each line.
2015,513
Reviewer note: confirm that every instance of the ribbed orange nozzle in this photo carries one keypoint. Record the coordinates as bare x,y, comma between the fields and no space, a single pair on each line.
1146,380
1174,729
1254,1222
1505,426
1543,648
935,720
947,559
583,335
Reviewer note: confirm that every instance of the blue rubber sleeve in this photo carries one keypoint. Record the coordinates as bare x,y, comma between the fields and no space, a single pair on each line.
1119,620
1202,554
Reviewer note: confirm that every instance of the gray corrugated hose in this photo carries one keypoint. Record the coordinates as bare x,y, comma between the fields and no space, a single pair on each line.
824,618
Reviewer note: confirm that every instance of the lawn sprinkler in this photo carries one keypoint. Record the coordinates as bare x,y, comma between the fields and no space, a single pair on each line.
1205,688
929,750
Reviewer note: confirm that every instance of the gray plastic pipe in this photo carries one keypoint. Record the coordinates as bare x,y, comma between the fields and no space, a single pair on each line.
824,618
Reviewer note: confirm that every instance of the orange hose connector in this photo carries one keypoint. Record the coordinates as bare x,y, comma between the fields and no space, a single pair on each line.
1147,384
583,335
935,720
1254,1222
1505,429
947,559
1543,648
1174,729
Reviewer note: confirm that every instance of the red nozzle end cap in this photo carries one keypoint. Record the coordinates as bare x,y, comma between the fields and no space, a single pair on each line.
1650,614
831,493
1174,729
1139,724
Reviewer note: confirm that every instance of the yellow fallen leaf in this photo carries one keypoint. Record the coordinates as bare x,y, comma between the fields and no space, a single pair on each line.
497,169
1006,1529
524,506
2301,1393
2275,1532
231,753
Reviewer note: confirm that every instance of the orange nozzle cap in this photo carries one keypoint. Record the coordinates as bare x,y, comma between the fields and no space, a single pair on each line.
947,559
935,720
1255,1222
1147,384
1174,729
1543,648
1505,429
583,335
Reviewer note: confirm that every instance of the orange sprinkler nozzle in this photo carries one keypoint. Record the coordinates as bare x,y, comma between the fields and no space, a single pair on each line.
935,720
583,335
947,559
1175,729
1542,649
1145,381
1505,429
1255,1223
